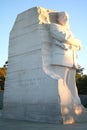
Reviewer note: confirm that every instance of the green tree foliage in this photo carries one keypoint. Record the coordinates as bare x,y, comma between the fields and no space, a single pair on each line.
81,81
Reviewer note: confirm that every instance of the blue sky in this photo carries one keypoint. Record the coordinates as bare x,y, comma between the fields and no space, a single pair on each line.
77,10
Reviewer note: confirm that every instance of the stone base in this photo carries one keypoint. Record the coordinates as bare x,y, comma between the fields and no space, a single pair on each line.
39,102
74,114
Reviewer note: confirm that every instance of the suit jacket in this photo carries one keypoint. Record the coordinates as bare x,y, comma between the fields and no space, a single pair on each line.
63,51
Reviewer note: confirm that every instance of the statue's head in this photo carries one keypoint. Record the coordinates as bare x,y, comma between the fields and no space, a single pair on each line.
63,18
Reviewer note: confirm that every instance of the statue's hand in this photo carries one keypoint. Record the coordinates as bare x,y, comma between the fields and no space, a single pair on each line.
73,42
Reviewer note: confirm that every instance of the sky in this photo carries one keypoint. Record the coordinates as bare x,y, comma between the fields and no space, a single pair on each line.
77,10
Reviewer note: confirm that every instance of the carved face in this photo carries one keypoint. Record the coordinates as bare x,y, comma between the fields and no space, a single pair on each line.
62,18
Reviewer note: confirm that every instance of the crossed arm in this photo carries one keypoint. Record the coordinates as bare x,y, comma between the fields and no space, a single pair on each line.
64,35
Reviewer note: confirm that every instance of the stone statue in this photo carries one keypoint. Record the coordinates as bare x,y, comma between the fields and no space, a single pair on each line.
44,89
67,45
65,40
63,66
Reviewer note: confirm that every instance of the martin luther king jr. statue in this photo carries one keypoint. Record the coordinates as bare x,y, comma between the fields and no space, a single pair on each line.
40,82
63,65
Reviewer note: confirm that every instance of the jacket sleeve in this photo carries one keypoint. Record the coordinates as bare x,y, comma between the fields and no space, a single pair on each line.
64,35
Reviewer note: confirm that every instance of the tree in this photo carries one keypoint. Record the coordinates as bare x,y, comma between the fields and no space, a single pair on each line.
2,77
81,81
79,70
2,81
6,64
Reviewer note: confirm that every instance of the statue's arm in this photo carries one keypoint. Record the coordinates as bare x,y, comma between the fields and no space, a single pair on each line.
57,33
60,45
75,42
63,35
